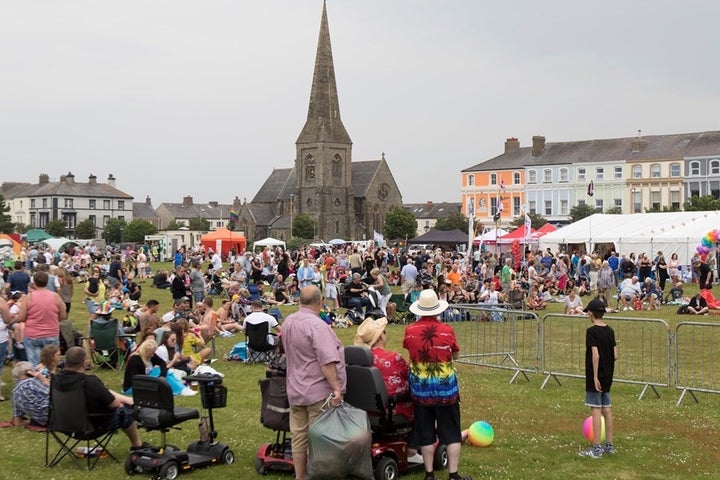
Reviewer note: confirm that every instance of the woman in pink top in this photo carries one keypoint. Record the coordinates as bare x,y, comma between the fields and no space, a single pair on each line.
41,310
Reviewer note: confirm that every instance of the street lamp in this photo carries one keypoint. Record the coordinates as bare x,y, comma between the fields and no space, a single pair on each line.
292,197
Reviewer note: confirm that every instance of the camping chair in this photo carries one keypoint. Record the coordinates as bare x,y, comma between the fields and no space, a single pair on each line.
154,406
401,308
71,426
107,347
259,350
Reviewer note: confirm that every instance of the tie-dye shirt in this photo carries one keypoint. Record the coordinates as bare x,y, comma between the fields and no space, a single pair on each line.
431,344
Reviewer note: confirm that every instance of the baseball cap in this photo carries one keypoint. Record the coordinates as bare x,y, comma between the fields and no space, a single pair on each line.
595,306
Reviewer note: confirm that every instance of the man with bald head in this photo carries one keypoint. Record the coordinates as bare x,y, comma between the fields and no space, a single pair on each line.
315,370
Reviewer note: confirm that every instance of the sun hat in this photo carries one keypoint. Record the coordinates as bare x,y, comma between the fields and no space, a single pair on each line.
428,304
104,308
370,330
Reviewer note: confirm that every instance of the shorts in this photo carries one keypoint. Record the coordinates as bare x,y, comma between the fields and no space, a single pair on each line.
437,422
598,399
122,418
301,416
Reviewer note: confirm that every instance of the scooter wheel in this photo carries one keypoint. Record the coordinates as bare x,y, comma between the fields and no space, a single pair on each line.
130,467
260,466
386,469
170,471
227,456
440,462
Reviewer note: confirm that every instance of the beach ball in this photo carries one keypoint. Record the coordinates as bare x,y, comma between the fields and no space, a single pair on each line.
481,434
587,429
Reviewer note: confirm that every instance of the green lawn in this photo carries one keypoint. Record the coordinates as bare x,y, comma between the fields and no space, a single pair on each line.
537,432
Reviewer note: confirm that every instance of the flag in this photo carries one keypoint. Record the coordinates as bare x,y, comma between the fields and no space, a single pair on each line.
528,225
470,207
502,184
379,238
499,207
591,189
233,215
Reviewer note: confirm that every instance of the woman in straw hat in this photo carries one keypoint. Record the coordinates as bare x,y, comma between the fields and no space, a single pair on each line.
393,368
433,382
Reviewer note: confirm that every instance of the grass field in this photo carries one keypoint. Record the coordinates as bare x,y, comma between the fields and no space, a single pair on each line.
537,432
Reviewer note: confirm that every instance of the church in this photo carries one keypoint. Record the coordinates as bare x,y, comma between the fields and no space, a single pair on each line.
346,199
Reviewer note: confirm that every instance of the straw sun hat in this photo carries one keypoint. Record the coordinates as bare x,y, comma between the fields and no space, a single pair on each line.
370,330
428,304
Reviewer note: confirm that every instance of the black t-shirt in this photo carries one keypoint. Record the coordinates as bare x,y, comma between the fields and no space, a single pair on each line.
602,337
97,395
356,286
114,270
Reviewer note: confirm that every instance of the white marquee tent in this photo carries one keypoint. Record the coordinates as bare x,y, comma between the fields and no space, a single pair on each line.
268,242
671,232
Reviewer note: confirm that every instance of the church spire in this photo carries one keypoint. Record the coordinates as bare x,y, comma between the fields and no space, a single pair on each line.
323,122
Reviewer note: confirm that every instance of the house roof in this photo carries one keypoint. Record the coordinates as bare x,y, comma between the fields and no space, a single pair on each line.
630,149
63,188
143,210
433,210
196,210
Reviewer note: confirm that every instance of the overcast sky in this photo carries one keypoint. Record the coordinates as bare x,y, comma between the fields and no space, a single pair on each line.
206,97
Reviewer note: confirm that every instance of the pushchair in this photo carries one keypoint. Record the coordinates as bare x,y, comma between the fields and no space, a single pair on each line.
275,415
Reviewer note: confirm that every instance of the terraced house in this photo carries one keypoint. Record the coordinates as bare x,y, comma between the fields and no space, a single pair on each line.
623,175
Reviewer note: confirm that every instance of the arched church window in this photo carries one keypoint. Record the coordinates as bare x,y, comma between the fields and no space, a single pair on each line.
337,166
309,168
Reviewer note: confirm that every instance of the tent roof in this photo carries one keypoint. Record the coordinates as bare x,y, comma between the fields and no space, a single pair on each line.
547,228
518,234
268,242
438,237
222,233
58,243
491,235
37,235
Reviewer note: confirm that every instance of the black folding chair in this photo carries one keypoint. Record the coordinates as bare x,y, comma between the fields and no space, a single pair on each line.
71,425
259,350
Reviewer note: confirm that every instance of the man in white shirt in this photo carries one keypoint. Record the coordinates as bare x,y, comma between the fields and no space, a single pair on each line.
257,316
216,261
408,274
629,292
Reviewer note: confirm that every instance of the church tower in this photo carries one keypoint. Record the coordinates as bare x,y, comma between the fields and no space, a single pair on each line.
324,152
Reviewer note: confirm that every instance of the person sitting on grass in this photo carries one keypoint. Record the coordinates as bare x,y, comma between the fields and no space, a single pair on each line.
193,346
676,295
573,304
30,397
535,300
698,305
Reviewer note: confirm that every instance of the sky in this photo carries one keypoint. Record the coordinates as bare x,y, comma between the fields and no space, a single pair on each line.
205,97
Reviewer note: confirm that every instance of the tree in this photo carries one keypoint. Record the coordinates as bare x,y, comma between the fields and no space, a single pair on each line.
614,210
701,204
173,225
400,223
112,233
21,228
56,228
136,230
536,220
199,223
85,229
303,226
230,225
456,220
6,223
580,211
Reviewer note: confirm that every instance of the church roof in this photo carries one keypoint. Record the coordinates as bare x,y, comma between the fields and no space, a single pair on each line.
275,183
262,213
323,122
362,175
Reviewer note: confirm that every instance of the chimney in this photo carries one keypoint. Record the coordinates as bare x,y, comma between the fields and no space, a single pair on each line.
44,179
148,202
638,144
92,179
428,205
70,178
111,180
538,145
62,178
213,204
187,201
512,144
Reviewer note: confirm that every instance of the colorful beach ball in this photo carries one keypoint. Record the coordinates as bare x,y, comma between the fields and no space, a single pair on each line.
481,434
587,429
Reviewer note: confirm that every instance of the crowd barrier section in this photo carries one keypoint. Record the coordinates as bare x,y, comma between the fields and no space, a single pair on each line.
644,350
497,337
697,346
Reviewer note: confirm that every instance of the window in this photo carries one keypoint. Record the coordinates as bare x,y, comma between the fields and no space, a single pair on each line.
93,219
106,219
617,171
637,171
532,176
91,204
617,202
44,219
564,207
516,178
70,220
715,189
637,202
694,190
674,169
106,204
655,170
581,173
715,167
471,180
599,204
548,207
44,202
655,200
32,203
694,168
493,205
547,176
675,200
563,174
121,217
32,220
493,179
599,173
532,207
516,205
69,204
581,203
121,205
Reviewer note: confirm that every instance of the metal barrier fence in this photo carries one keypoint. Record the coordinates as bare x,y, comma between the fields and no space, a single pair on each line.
643,350
497,337
697,345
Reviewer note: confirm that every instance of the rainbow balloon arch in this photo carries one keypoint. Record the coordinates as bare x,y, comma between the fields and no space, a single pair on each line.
708,243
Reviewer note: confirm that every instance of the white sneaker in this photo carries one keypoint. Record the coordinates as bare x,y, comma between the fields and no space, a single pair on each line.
417,458
188,392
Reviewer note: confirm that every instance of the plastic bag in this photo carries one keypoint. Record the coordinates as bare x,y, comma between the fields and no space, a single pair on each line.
339,443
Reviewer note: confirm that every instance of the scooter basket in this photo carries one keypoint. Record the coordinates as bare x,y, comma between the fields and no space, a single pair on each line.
215,397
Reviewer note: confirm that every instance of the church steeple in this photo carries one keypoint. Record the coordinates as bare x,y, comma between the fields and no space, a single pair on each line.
323,122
